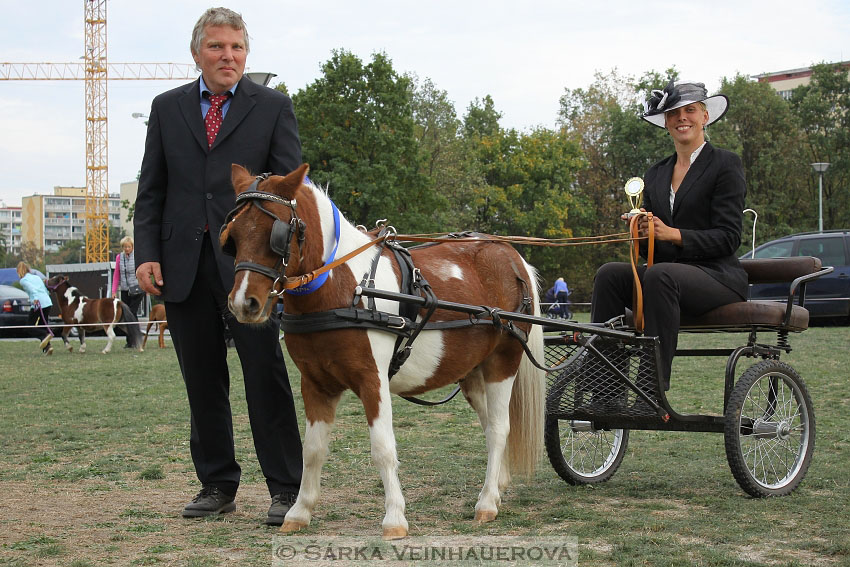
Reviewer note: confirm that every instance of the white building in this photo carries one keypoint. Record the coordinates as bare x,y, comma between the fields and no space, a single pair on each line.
10,228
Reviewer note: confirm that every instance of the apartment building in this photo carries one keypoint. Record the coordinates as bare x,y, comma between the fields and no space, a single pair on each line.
49,221
10,228
784,82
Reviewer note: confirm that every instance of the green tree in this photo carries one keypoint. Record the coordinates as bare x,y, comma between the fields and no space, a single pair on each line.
69,253
603,120
482,118
32,255
445,157
823,108
357,130
761,129
526,190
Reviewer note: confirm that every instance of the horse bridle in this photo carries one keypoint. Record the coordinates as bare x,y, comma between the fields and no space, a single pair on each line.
280,239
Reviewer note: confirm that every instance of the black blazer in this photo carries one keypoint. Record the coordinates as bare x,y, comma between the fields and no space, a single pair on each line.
708,211
185,187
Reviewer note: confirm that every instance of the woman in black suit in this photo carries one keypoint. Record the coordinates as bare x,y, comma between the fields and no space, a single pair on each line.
696,196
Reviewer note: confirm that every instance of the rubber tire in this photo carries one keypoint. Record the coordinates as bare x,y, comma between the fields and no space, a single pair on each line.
800,450
561,464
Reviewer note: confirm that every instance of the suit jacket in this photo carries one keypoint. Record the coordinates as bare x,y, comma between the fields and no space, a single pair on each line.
185,187
708,211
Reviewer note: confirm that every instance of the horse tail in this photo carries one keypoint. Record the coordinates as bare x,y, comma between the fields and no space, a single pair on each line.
133,331
527,407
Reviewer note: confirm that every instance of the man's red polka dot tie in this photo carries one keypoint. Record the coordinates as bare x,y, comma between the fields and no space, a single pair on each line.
213,118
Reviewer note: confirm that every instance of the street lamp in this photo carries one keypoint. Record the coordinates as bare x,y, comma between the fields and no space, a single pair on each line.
261,78
80,255
139,115
820,167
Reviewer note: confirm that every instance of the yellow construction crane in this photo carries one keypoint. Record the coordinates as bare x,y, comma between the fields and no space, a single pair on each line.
95,71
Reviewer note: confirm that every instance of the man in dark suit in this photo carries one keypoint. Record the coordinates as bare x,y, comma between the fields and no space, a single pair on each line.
195,133
697,199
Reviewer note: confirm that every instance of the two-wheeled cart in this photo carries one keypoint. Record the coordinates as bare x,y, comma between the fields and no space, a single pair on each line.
607,384
603,382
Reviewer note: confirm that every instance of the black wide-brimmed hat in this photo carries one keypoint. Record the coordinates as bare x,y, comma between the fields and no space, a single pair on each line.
683,93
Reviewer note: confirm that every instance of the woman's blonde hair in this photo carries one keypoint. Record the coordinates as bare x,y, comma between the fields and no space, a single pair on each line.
125,240
23,269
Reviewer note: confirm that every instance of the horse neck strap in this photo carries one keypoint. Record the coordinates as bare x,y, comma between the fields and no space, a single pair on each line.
315,284
298,281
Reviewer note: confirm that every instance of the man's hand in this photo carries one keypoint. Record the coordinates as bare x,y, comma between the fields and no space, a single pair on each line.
149,275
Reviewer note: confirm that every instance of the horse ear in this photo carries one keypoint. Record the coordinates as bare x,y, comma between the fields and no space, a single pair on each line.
294,180
240,177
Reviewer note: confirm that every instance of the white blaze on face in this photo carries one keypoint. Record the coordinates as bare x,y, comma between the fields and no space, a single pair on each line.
239,298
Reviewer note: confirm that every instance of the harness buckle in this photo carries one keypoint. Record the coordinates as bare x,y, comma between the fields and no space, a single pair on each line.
400,324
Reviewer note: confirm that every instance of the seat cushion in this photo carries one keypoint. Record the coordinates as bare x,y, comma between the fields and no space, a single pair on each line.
747,314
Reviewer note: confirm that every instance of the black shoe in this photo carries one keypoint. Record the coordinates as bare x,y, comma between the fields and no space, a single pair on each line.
210,501
281,503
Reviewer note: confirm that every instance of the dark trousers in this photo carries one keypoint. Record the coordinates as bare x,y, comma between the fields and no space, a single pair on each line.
669,290
40,328
133,302
197,330
563,304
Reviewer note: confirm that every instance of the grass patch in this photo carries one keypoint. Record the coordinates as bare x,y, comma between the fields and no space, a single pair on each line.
95,468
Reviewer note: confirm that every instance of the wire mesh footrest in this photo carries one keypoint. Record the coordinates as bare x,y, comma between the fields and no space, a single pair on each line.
587,389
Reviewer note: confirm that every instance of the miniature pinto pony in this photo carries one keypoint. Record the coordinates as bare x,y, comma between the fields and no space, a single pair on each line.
76,308
289,217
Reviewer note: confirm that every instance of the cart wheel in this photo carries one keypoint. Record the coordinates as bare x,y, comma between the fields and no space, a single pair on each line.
581,454
769,429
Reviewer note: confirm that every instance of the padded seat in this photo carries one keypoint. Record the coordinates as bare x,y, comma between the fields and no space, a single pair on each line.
758,315
745,315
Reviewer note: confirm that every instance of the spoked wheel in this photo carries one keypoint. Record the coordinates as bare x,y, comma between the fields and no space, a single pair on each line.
769,429
581,454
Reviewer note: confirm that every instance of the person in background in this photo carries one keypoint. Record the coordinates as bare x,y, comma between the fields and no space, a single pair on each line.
124,279
40,304
195,133
562,293
696,196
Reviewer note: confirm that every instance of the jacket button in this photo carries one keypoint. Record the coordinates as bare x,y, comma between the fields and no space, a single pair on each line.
209,196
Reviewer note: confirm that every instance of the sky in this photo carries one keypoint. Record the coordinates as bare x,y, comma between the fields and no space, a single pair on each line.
524,54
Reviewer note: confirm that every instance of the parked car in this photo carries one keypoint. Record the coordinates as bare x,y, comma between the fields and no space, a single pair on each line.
14,310
827,296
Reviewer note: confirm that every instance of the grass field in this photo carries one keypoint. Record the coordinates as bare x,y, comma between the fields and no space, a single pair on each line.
95,469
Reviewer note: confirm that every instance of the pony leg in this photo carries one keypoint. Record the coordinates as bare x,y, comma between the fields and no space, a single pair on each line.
81,331
147,332
111,334
473,389
385,458
498,427
320,412
65,332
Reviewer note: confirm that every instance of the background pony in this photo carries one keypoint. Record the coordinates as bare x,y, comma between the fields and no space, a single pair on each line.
157,314
282,217
75,308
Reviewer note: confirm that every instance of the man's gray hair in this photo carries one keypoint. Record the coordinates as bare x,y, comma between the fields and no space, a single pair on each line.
217,17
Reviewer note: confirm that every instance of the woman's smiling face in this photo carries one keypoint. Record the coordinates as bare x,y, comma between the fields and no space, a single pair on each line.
686,123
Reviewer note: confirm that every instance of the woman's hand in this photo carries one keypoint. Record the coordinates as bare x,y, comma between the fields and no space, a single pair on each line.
666,233
661,231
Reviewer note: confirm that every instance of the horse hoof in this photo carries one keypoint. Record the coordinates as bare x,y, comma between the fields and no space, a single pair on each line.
290,526
484,516
397,532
